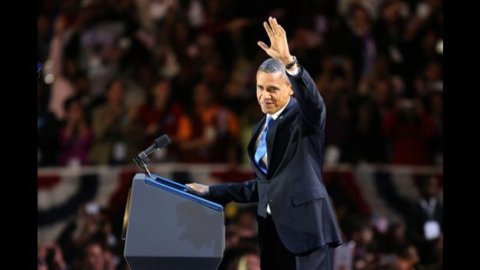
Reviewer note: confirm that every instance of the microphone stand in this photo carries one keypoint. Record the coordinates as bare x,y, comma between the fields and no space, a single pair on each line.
142,164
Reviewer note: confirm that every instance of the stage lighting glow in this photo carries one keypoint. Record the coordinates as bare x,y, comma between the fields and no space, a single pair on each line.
49,78
440,46
126,215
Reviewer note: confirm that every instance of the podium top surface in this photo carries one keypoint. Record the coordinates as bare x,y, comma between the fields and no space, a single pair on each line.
180,190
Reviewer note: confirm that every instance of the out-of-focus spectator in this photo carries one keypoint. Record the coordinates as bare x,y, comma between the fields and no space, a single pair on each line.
394,238
353,37
382,96
214,129
429,87
47,129
160,115
59,71
423,217
76,136
426,218
364,141
409,129
338,117
116,139
430,80
362,236
96,257
406,258
236,97
389,31
50,256
89,224
247,225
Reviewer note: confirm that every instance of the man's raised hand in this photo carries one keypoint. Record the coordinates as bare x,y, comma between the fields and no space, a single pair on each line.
278,42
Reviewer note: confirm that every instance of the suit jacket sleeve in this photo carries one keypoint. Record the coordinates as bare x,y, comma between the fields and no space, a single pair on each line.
245,192
309,100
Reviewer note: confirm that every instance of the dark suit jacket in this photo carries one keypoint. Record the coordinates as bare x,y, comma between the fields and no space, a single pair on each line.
293,186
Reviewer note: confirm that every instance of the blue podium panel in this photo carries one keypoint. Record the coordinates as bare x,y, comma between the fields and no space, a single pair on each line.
169,228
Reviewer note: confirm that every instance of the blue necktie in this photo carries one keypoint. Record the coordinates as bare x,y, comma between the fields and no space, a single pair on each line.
262,146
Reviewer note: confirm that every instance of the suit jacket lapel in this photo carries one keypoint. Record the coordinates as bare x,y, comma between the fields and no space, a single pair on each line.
251,145
271,136
272,131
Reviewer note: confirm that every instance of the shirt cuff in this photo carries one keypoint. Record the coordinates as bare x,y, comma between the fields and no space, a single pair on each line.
294,71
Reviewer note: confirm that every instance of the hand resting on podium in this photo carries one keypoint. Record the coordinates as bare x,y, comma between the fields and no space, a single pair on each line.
198,189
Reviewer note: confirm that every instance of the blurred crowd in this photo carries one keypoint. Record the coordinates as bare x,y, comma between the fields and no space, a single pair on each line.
114,75
91,240
117,74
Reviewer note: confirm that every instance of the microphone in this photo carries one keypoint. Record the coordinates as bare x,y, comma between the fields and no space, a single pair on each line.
142,158
159,142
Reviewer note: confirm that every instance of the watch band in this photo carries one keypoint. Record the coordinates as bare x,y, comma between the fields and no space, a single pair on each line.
288,66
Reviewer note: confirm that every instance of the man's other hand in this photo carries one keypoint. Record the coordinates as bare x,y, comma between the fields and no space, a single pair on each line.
198,189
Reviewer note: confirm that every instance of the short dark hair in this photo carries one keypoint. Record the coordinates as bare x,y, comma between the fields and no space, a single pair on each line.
271,65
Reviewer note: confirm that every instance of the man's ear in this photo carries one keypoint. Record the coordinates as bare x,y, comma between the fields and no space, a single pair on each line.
291,89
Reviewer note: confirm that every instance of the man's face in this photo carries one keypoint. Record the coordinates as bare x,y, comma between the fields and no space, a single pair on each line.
273,91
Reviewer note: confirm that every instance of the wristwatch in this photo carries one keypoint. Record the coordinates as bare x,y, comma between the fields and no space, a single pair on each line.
288,66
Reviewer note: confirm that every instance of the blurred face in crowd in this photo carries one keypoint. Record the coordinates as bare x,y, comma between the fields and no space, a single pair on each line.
273,91
75,111
161,91
381,92
115,93
412,254
246,220
366,235
399,231
361,21
95,259
202,95
433,71
432,187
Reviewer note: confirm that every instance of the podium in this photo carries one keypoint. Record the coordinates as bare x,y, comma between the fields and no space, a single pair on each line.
165,227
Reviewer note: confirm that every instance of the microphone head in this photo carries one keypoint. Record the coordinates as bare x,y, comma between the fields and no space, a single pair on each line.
162,141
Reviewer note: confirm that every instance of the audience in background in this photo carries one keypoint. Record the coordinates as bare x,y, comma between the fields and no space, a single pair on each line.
187,69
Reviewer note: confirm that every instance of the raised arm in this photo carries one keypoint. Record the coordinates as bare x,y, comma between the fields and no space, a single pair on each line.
310,102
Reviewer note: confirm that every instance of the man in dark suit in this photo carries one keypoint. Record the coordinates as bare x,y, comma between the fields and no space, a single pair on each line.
297,225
